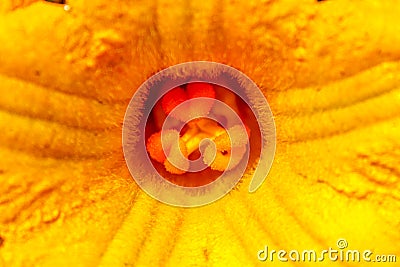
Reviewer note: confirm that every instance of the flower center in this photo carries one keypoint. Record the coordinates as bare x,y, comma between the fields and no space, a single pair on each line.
218,158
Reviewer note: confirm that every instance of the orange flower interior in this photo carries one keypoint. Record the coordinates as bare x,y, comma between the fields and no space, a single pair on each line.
195,131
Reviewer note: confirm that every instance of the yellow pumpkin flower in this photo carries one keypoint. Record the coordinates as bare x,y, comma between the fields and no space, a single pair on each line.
329,70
